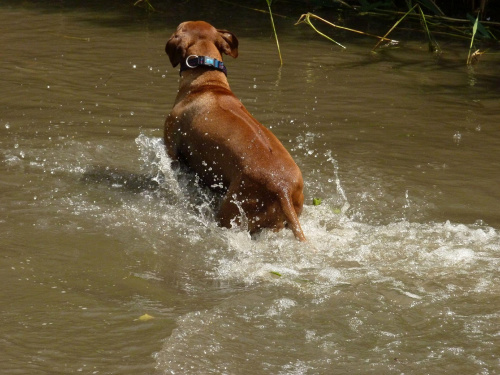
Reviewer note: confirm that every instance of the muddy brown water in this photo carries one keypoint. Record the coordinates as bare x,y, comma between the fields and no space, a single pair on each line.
401,270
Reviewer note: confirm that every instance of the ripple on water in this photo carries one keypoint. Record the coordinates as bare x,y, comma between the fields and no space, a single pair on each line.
399,297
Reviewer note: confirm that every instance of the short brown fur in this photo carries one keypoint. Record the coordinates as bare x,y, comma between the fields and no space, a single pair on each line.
211,132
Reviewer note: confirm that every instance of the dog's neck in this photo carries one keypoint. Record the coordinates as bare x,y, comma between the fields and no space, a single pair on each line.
194,79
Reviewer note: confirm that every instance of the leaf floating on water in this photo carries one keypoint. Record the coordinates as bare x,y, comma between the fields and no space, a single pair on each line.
275,273
145,317
316,201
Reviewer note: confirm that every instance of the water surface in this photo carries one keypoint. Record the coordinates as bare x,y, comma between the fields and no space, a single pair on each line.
401,270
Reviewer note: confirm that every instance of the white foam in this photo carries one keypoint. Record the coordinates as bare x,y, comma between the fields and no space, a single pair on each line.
399,269
157,163
452,256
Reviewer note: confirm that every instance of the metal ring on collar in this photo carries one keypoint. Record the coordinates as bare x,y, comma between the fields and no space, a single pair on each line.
187,61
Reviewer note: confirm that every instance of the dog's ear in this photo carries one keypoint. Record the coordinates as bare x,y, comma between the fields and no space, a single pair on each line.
175,49
227,43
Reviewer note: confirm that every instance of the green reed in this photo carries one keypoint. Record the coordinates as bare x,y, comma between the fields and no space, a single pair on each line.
274,30
433,46
474,30
436,23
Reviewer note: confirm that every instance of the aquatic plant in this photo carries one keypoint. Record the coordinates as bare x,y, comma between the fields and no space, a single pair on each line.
306,18
436,21
472,58
274,30
145,4
432,18
432,45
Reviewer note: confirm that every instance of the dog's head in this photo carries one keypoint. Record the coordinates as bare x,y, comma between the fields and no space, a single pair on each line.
202,39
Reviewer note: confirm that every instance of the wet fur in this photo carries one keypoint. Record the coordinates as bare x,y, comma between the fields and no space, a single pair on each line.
213,134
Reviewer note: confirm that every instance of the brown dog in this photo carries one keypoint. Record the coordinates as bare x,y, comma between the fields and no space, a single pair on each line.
212,133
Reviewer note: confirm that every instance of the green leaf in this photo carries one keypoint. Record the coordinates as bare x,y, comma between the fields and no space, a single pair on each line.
474,29
478,27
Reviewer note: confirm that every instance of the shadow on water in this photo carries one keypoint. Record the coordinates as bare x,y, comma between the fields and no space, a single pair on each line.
120,178
123,14
189,194
125,182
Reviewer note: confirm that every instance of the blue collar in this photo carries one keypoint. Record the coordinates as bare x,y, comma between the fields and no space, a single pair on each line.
194,61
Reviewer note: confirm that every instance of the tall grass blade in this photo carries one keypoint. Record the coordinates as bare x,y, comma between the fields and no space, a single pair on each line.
274,29
394,26
474,30
481,30
306,18
433,46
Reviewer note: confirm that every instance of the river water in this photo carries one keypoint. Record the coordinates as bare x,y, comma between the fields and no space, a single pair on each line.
112,263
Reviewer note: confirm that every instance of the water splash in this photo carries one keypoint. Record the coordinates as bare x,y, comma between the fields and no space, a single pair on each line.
389,282
157,164
340,189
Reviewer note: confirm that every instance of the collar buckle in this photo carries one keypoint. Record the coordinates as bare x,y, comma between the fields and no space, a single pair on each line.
193,61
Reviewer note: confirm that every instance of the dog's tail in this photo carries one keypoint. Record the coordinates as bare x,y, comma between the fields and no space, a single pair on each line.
291,216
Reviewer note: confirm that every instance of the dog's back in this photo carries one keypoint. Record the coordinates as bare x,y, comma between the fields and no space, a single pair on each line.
214,135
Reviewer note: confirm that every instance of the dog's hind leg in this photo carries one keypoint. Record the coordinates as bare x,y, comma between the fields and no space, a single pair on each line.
291,216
